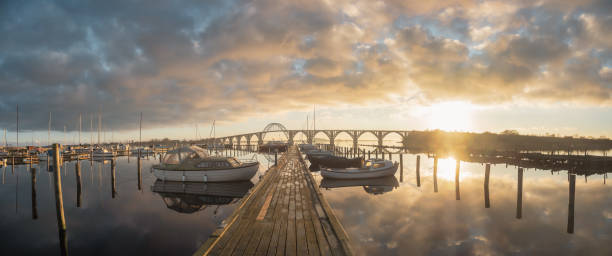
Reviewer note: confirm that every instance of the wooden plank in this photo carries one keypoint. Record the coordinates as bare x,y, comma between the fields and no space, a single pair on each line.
285,214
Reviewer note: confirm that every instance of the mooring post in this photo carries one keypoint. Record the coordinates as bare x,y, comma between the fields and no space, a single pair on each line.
77,170
519,194
390,156
401,168
57,181
376,153
113,187
570,209
139,175
275,158
435,174
457,193
418,170
369,153
34,207
486,186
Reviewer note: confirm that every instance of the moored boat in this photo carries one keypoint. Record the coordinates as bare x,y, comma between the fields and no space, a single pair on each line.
332,161
318,153
373,168
194,164
103,153
189,197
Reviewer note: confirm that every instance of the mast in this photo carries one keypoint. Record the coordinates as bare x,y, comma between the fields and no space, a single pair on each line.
90,130
99,126
140,132
49,130
17,125
64,134
80,126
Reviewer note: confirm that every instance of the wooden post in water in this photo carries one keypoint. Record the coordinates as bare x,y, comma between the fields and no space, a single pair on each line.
382,154
401,168
457,192
369,154
59,202
486,186
519,194
113,187
34,207
435,174
139,175
376,153
390,156
418,170
77,170
275,158
570,208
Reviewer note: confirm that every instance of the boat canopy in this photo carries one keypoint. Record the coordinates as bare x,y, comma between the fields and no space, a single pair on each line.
179,155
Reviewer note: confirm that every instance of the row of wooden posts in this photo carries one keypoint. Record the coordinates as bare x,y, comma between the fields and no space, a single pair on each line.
59,202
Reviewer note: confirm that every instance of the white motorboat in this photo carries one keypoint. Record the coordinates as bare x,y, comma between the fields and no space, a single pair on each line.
373,168
43,156
103,153
318,153
194,164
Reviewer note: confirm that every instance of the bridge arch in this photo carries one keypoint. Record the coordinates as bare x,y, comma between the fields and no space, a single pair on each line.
274,127
303,139
321,134
398,143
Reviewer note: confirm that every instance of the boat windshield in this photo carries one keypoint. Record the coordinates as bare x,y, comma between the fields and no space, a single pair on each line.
181,154
233,162
378,165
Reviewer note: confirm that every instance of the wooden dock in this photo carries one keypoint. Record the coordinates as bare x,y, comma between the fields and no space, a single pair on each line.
285,214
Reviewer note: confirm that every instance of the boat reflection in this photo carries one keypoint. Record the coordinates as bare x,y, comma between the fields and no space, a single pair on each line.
375,186
190,197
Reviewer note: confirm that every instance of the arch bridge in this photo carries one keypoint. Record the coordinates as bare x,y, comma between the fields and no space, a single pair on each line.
291,135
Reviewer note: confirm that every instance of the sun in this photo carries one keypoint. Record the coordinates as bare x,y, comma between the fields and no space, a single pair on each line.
451,116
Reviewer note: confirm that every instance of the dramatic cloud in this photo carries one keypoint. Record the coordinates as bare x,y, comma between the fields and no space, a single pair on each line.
186,61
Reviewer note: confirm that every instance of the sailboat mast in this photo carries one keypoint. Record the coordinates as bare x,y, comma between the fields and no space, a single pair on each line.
91,130
17,125
49,130
314,119
80,126
140,132
99,126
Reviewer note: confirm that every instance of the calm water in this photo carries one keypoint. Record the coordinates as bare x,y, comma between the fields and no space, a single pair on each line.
388,217
135,221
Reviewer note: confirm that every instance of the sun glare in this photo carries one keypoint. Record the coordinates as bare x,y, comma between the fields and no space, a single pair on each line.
450,116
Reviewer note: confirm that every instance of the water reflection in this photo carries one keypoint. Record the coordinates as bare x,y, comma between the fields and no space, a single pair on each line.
375,186
526,211
190,197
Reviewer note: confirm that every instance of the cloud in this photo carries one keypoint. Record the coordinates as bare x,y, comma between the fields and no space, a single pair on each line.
193,62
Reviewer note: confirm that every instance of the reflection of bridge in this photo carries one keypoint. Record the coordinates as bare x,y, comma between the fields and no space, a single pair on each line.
309,134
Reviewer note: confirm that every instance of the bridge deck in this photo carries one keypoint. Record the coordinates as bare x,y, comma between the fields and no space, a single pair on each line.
285,214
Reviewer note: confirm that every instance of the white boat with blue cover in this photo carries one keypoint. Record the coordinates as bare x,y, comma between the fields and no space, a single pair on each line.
373,168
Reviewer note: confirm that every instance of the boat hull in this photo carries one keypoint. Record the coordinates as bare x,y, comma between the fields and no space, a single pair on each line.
331,174
235,174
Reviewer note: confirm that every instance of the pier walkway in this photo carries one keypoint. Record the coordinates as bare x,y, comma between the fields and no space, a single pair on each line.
285,214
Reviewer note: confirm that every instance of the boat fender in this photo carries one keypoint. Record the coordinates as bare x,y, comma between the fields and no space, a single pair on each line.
205,178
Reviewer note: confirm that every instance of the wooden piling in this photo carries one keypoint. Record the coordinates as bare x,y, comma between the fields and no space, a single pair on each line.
435,174
486,186
401,165
77,170
570,208
457,192
390,156
139,175
369,154
57,181
34,205
519,194
418,170
113,187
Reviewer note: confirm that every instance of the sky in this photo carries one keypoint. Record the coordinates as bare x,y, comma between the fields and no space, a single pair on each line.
538,67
